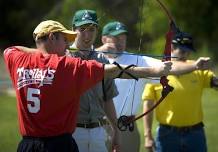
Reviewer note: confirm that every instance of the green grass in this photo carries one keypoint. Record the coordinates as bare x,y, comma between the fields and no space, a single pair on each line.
9,132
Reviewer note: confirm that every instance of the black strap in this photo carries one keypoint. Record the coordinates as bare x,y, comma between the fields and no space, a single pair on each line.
124,70
104,91
103,87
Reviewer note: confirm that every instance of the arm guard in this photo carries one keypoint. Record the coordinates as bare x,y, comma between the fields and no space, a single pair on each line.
123,70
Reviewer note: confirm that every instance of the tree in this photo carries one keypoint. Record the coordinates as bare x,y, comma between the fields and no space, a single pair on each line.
19,18
144,21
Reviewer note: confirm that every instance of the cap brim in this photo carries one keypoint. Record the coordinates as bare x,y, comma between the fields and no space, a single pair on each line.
115,33
70,35
85,22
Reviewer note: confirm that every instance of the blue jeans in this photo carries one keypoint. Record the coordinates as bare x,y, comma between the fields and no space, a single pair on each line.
172,140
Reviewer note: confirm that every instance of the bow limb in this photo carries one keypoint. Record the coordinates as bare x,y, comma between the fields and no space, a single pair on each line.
163,80
167,57
170,17
125,122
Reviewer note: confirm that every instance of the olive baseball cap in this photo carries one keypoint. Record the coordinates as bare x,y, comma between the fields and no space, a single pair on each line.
184,41
83,17
114,29
49,26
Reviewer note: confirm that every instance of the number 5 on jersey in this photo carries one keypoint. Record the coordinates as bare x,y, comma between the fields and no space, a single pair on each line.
33,101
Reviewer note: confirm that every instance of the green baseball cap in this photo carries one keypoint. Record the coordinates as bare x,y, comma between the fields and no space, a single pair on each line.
114,29
83,17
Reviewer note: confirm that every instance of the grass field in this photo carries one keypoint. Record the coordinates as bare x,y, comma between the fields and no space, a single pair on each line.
9,135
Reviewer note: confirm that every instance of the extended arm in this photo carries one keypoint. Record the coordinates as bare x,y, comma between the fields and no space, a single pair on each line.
164,68
180,67
112,71
26,49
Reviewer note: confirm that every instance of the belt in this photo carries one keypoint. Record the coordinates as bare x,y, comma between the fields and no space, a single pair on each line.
185,128
62,136
101,122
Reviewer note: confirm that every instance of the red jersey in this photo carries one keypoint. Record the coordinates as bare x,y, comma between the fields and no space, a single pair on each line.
48,90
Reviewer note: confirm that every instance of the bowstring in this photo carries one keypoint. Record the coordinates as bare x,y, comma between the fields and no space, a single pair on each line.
141,6
162,98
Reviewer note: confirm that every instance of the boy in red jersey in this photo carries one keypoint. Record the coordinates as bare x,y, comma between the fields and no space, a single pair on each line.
47,105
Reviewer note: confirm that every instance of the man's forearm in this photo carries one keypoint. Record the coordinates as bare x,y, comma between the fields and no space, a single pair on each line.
112,71
179,67
110,112
26,49
148,119
165,68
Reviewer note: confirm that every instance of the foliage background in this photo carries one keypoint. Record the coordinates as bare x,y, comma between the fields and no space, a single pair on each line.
199,17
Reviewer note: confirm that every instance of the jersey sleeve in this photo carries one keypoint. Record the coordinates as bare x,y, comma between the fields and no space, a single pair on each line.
11,58
149,93
11,55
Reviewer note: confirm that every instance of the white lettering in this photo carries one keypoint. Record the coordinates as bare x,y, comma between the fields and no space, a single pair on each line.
34,76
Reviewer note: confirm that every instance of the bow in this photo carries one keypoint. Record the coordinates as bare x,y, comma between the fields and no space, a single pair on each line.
125,122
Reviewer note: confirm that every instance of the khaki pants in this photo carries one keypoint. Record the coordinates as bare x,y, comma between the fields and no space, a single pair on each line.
130,141
91,140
